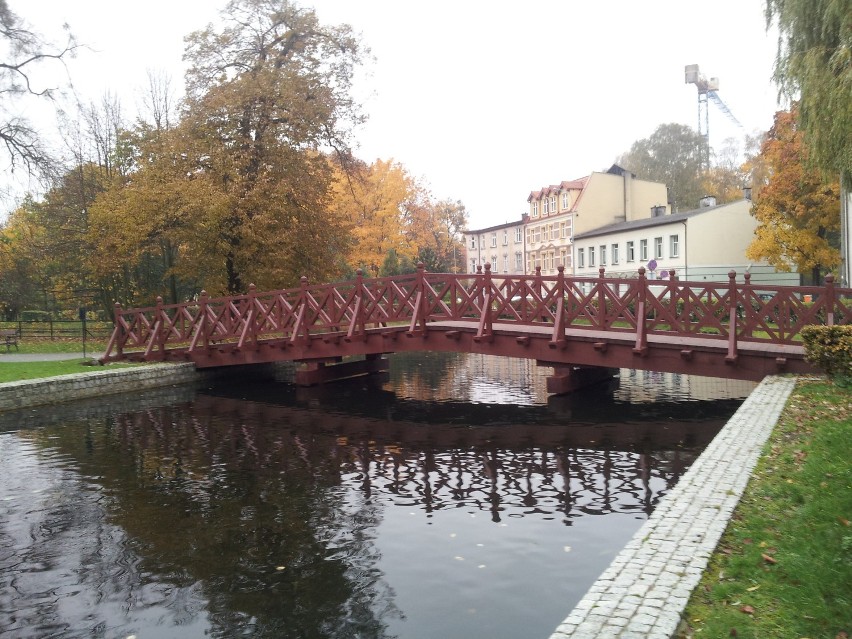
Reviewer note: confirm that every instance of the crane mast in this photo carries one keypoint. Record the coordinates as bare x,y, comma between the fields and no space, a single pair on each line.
708,89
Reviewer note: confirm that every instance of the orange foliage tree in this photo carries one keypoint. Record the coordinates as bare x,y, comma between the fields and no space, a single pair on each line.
797,210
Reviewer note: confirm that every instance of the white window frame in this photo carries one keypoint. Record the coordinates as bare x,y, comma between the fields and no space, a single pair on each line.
674,245
535,208
658,248
614,254
493,240
581,258
519,235
591,256
566,201
643,250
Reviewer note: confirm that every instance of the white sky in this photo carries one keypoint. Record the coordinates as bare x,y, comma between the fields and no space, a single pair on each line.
485,100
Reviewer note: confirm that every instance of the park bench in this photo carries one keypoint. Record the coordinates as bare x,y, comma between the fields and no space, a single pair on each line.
11,338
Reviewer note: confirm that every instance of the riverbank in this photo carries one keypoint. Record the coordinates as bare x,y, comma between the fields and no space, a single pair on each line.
675,578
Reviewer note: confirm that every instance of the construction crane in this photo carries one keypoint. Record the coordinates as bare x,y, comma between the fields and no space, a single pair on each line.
707,90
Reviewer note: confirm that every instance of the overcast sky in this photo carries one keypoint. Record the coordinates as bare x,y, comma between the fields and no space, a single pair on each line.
485,100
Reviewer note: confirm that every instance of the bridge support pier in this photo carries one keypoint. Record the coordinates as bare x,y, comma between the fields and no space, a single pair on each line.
320,371
567,378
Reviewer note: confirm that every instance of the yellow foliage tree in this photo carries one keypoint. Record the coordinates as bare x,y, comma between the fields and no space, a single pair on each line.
798,212
371,202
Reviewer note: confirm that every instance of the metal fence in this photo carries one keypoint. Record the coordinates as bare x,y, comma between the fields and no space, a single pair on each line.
58,329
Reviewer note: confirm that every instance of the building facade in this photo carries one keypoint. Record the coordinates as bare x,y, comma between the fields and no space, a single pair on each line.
558,212
503,246
699,245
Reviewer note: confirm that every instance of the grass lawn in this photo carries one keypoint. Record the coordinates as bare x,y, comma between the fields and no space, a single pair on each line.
15,371
783,568
57,346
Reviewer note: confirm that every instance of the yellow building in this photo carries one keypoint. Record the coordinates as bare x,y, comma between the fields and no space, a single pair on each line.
558,212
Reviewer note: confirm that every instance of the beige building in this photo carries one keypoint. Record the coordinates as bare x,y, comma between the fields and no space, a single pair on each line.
702,244
559,212
503,246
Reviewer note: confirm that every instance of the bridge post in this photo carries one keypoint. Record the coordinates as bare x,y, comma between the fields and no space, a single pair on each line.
830,300
357,329
603,324
418,316
641,345
557,340
731,357
115,339
485,331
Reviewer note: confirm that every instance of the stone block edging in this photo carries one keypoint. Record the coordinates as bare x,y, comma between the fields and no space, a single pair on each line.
31,393
643,592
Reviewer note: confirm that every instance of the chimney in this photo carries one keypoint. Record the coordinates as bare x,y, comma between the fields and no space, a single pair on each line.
658,211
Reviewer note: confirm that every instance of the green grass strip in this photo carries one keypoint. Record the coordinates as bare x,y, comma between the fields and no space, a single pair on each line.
783,568
16,371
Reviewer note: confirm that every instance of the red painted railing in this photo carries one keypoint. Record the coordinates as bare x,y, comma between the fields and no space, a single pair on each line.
732,311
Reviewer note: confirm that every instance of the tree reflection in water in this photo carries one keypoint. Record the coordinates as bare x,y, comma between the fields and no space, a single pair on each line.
239,515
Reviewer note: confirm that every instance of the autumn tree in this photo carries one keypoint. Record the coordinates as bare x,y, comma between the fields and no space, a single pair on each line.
797,211
671,155
436,229
814,66
269,94
370,202
23,53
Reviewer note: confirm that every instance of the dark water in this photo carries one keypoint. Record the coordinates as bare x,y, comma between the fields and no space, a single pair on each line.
454,500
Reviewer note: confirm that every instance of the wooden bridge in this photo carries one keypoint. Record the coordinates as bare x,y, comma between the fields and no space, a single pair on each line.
582,327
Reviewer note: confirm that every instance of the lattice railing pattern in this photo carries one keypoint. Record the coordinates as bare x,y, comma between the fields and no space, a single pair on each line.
729,311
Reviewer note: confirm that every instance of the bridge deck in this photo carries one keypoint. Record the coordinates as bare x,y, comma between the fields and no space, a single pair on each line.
742,331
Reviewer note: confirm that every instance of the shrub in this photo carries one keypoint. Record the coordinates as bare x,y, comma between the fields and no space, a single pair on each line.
35,316
830,348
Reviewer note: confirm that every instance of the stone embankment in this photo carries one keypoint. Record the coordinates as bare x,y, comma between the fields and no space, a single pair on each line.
32,393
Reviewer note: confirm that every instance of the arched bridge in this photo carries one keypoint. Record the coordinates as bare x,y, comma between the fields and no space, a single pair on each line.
735,329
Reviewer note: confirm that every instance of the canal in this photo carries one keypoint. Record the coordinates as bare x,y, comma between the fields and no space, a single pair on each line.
450,499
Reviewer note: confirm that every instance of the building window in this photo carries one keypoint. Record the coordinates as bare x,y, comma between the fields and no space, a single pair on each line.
473,265
493,239
505,237
658,248
603,255
535,209
505,262
473,241
545,209
643,250
494,263
537,234
631,257
674,246
519,261
553,204
591,256
518,235
614,253
554,232
566,200
581,259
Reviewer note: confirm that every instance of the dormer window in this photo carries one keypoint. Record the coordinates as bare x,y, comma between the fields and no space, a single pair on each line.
553,204
535,208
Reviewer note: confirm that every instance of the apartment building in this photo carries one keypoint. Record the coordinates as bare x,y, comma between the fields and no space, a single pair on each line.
703,244
503,246
557,213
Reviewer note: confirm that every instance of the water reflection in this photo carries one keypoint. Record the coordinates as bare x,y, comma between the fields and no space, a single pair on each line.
348,511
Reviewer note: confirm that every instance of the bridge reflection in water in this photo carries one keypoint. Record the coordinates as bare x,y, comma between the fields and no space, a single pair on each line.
270,510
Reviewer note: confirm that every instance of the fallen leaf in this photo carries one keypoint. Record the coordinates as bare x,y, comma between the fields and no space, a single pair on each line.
768,559
747,609
842,635
753,588
843,521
